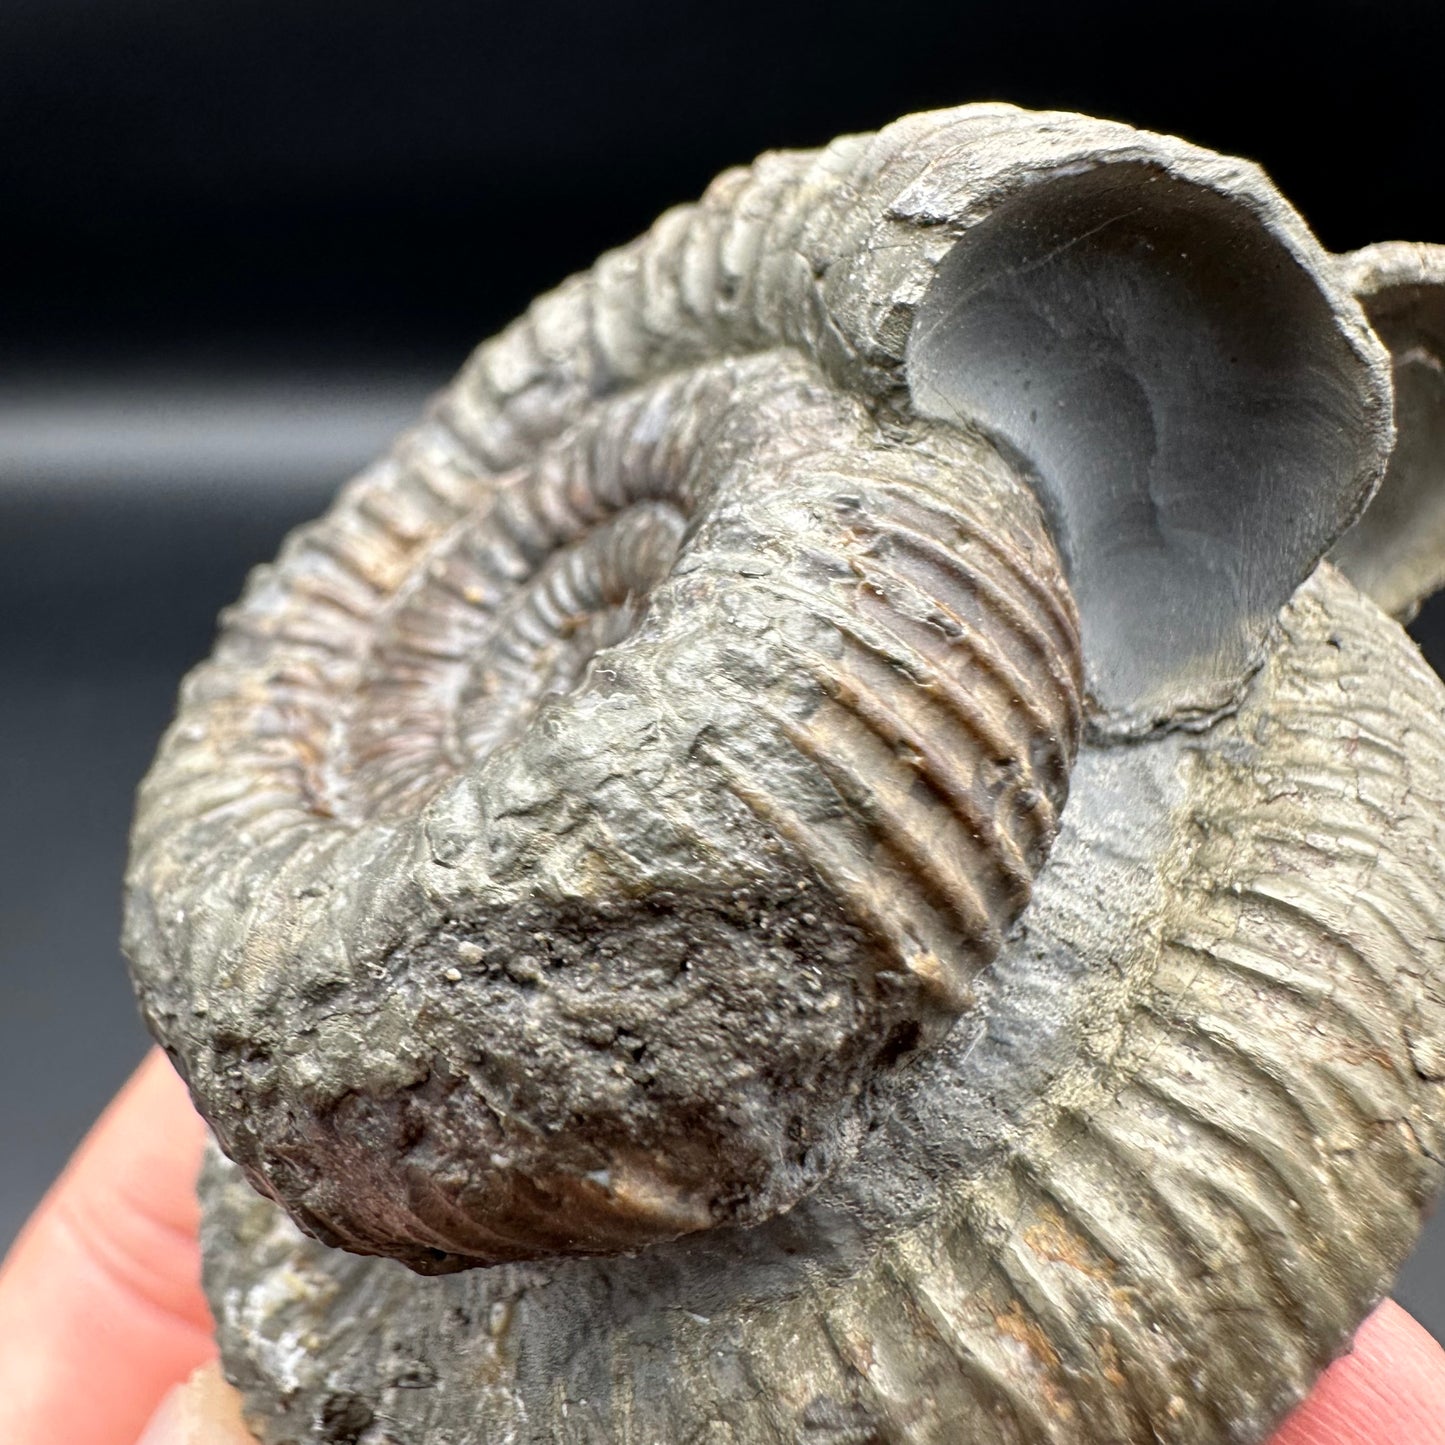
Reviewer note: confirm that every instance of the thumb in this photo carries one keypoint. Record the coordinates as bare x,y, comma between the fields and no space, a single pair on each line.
203,1411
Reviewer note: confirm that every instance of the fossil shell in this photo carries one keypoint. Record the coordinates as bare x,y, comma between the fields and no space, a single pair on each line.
1144,1192
626,818
505,954
1396,552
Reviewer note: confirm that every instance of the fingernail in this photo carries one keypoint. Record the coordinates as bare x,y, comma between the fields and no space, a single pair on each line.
203,1411
167,1426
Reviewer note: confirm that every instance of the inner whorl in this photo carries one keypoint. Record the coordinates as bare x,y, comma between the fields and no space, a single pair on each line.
559,877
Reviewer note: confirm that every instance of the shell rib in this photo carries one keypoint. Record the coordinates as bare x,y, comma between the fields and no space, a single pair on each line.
1142,1195
616,821
569,892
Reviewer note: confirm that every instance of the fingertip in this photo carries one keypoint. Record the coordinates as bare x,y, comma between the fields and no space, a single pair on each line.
203,1411
1389,1390
101,1307
127,1199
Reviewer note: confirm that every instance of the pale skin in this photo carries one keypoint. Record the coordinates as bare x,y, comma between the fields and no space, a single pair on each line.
105,1337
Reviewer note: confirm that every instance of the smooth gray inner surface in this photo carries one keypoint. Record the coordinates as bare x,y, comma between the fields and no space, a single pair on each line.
1394,552
1181,389
102,606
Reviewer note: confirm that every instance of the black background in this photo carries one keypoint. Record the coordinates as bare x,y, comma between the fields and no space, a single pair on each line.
239,242
373,180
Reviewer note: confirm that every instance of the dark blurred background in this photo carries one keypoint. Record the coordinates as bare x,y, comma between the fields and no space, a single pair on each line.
240,242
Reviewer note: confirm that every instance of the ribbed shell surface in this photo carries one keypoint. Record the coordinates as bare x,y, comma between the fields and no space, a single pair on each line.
553,869
1143,1199
586,835
473,946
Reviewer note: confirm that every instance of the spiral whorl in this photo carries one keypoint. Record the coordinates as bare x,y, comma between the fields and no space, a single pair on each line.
565,885
574,823
576,827
1144,1196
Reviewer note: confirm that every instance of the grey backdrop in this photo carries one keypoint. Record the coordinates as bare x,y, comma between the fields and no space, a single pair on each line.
241,240
129,513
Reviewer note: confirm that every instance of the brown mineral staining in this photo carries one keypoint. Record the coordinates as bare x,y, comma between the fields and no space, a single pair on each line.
835,724
1018,1326
1052,1239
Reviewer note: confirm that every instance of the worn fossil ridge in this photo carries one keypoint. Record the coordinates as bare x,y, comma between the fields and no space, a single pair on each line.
817,855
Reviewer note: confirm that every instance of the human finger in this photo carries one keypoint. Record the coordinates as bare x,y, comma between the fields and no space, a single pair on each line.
203,1411
1389,1390
101,1309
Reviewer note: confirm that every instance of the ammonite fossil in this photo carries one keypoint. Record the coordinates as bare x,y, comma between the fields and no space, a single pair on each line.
816,855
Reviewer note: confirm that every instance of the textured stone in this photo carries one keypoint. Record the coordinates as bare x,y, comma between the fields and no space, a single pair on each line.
612,846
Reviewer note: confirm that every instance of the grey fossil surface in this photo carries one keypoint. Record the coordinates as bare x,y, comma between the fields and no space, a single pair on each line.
1397,552
816,855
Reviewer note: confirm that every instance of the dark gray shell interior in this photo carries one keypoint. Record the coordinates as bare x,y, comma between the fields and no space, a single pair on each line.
1178,385
1145,1194
1184,1127
1396,552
